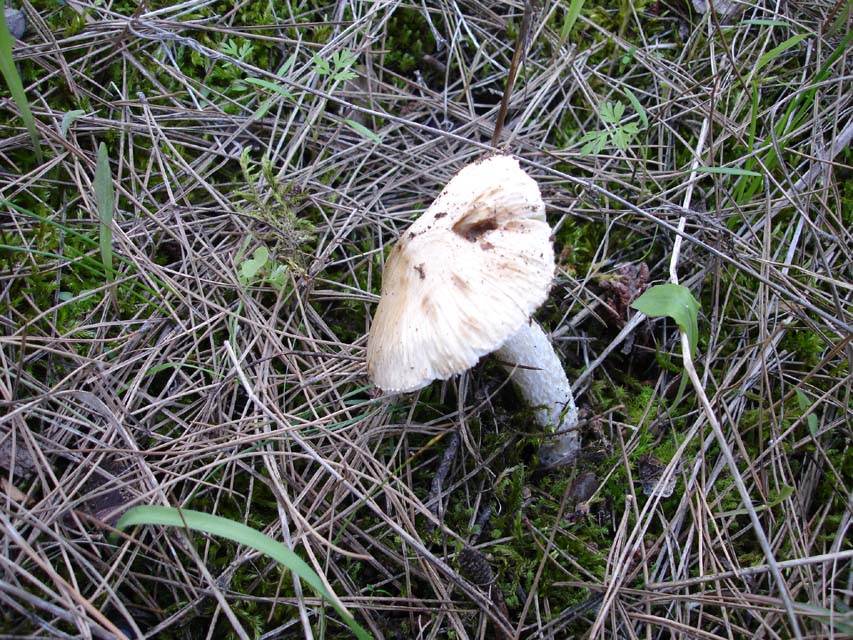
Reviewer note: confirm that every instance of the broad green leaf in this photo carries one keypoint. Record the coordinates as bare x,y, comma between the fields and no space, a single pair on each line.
252,266
16,87
241,534
342,70
105,199
791,42
592,135
360,128
343,60
676,302
623,134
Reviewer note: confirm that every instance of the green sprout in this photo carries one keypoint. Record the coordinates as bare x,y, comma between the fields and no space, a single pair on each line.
339,69
618,133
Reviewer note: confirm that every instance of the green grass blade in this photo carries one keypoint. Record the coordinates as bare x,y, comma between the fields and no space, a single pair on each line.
360,128
241,534
570,19
270,86
728,171
798,110
80,255
766,23
775,52
842,17
105,199
750,161
753,119
16,87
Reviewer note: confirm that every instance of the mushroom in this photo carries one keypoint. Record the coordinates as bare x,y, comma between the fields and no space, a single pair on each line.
462,282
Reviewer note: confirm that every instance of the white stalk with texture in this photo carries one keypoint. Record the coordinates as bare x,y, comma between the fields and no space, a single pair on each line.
534,367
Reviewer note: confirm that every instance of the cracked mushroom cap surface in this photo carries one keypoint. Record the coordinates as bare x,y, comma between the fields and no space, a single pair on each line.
463,278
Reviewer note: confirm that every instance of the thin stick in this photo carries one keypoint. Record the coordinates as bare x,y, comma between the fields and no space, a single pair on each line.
523,32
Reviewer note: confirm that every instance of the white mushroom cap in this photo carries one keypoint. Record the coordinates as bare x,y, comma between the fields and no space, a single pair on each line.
463,278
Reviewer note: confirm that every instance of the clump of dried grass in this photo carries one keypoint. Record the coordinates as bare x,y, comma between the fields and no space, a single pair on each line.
127,394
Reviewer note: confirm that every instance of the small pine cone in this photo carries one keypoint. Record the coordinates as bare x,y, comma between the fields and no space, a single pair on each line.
474,567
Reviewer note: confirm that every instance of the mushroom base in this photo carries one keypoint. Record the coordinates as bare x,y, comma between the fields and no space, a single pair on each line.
534,367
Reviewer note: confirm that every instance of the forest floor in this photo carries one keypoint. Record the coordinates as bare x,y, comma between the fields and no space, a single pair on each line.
196,203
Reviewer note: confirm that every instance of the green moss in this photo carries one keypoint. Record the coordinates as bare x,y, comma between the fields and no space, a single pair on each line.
409,38
845,179
808,346
577,242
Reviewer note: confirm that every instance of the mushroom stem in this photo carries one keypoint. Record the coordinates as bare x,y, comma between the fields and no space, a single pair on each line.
534,367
